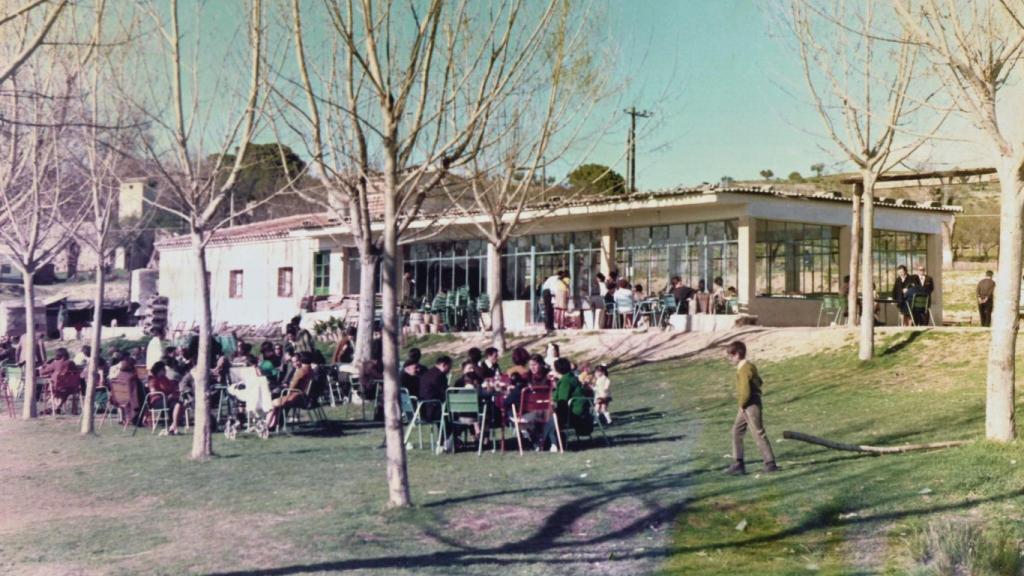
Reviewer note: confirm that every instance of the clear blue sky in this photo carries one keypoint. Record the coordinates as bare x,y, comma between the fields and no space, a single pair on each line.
727,111
723,90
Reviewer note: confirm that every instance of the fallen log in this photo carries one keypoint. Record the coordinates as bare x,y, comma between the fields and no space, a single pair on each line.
866,449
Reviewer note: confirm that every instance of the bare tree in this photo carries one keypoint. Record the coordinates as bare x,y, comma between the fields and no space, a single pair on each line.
38,17
976,49
420,85
195,178
40,118
863,90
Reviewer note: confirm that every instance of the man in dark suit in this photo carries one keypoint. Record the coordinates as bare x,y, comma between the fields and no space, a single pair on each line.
901,291
925,281
986,289
433,385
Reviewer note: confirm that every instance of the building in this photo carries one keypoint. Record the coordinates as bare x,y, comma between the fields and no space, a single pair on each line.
780,250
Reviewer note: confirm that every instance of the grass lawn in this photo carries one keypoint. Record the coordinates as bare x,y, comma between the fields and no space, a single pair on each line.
655,502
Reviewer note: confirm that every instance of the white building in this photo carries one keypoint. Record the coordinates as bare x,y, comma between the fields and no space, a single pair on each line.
781,251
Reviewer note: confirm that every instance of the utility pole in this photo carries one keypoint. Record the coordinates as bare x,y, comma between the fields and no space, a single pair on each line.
631,146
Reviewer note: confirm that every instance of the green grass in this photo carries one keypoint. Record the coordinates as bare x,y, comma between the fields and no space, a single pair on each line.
836,512
656,501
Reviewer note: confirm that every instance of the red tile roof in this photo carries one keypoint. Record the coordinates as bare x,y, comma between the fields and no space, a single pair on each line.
265,230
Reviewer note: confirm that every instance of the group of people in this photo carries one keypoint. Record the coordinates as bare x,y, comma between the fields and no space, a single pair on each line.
619,295
501,391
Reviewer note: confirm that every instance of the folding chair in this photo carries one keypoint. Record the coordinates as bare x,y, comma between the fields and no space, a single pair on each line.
921,303
418,421
829,311
588,410
669,306
463,403
534,403
159,414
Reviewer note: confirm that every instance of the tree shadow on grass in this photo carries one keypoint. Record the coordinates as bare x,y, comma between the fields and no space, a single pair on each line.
896,347
551,543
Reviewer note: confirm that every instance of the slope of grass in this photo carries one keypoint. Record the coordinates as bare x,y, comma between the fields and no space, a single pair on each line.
836,512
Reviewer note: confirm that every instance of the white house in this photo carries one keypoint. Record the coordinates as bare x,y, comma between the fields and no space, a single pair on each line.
780,250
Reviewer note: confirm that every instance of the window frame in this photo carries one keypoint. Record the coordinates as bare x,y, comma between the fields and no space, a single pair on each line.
236,289
290,292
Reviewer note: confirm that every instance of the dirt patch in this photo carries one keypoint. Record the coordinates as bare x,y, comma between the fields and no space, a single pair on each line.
487,520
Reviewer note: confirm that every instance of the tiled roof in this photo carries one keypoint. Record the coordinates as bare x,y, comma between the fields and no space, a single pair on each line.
265,230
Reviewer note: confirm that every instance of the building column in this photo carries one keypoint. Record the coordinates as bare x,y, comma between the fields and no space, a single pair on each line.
933,268
747,259
607,250
844,254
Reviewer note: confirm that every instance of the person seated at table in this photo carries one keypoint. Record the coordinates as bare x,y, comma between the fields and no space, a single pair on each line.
638,293
298,387
345,351
489,368
538,372
159,382
624,303
244,355
901,292
468,368
475,356
682,294
269,363
568,387
415,355
408,378
126,389
64,377
718,296
433,385
82,358
520,361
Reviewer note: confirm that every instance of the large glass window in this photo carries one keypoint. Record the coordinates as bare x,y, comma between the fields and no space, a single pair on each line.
894,248
796,259
355,267
697,252
446,266
529,260
322,273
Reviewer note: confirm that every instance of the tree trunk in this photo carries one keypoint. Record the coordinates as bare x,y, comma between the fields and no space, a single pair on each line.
855,225
94,343
202,438
867,275
28,379
397,473
1000,421
367,301
494,264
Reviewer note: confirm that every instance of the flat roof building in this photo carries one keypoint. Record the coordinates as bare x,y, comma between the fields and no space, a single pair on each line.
781,252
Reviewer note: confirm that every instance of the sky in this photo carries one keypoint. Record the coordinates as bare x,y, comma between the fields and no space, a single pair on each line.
722,81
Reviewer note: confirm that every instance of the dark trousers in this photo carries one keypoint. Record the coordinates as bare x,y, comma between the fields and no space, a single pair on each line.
750,417
549,310
985,310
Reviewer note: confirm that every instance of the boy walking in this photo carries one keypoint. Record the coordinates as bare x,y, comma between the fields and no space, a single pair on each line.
748,395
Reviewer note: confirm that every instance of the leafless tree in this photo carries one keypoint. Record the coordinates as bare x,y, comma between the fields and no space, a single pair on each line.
547,121
38,17
185,143
40,120
976,48
863,88
420,85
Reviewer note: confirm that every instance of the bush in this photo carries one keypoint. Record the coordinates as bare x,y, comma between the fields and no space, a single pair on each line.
954,547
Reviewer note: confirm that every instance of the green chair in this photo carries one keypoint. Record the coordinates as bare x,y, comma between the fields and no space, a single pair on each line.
831,310
463,403
921,303
668,307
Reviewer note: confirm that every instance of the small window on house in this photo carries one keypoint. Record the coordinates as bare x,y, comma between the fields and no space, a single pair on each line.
322,273
284,282
235,285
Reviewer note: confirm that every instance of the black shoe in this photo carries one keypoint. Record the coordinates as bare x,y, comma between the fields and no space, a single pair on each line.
770,467
737,469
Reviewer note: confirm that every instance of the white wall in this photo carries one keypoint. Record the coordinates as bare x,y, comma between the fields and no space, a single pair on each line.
258,262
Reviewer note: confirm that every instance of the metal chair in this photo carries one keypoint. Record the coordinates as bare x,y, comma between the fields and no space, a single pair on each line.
463,403
534,407
830,311
418,422
162,413
668,307
921,303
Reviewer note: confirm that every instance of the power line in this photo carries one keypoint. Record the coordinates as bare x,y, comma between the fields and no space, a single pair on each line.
631,145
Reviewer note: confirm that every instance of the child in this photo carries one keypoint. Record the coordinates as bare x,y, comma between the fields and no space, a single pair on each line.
748,396
602,393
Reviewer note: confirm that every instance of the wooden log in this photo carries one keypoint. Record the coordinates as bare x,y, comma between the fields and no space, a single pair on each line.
867,449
